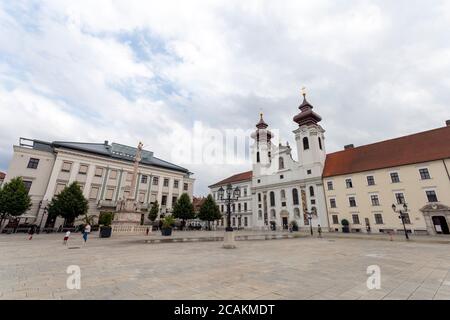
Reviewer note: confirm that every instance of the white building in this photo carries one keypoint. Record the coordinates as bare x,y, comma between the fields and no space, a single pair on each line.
284,190
102,170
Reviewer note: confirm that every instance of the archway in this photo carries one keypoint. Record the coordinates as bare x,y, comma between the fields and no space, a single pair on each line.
436,217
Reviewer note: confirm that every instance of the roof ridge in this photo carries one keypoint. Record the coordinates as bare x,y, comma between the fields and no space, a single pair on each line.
384,141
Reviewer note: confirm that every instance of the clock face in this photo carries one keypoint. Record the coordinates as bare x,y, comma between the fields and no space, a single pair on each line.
434,206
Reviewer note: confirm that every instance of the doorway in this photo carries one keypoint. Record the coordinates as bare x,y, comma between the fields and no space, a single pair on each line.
440,225
285,223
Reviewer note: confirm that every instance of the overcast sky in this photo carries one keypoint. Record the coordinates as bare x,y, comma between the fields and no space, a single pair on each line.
126,71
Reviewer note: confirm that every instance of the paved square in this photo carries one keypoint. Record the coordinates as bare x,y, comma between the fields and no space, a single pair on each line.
301,268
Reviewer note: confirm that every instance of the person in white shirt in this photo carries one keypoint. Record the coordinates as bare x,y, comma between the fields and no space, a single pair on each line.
87,230
66,237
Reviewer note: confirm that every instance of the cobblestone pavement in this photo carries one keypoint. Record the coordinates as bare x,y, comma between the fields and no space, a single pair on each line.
302,268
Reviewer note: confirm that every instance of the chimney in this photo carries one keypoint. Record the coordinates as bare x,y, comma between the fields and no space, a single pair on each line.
447,123
349,146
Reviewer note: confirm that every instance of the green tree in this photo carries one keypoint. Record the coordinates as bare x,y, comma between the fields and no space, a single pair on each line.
183,208
14,199
154,211
209,211
69,204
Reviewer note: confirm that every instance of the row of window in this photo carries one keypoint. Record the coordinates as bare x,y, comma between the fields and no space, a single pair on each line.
375,201
273,214
295,197
378,217
395,178
233,207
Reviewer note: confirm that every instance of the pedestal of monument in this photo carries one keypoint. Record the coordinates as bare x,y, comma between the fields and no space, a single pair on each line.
228,240
127,219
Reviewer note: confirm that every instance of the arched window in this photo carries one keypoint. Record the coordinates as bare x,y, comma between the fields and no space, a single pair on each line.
280,163
295,196
305,143
272,199
320,143
257,157
311,191
273,214
283,194
259,214
297,212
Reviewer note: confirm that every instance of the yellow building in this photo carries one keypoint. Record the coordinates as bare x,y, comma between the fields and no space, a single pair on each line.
365,184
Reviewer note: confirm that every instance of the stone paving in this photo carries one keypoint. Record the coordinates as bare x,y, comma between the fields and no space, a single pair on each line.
300,268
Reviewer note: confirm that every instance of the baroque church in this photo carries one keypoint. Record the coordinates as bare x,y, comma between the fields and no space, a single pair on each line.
283,190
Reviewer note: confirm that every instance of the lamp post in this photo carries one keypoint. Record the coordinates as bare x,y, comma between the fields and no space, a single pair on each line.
310,214
402,216
42,217
229,195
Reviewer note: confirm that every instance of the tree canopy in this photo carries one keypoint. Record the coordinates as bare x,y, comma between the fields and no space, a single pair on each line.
14,199
69,204
154,211
209,211
183,208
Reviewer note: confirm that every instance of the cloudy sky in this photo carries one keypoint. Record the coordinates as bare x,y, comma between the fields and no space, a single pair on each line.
126,71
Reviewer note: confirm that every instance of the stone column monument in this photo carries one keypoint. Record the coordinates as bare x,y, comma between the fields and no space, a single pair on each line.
128,211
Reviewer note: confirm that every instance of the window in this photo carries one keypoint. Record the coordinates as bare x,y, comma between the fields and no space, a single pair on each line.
155,181
335,219
234,221
113,174
320,143
330,185
311,191
59,187
27,185
305,143
378,218
245,221
394,177
375,200
313,201
424,174
185,187
400,198
272,199
176,184
280,163
83,169
166,182
332,203
239,207
308,171
273,214
348,183
259,215
259,180
93,194
98,172
33,163
144,179
281,176
352,201
259,197
370,181
283,194
297,212
174,200
431,195
109,194
295,196
245,191
66,166
406,218
257,157
164,200
355,219
233,207
245,206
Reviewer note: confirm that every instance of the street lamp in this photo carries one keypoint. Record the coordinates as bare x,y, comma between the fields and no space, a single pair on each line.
42,217
310,214
402,216
229,195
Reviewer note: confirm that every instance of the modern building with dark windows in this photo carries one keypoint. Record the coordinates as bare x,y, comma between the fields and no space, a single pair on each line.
364,183
104,172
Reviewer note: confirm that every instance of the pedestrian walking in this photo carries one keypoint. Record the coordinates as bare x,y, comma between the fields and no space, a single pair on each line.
86,231
319,230
66,237
31,232
147,231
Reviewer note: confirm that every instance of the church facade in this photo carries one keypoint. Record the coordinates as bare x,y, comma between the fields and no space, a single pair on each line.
284,191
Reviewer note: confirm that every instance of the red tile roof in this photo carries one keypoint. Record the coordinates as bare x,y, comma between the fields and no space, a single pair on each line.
2,175
243,176
416,148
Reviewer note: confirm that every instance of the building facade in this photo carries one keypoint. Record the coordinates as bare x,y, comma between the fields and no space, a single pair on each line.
362,184
104,172
285,191
2,178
